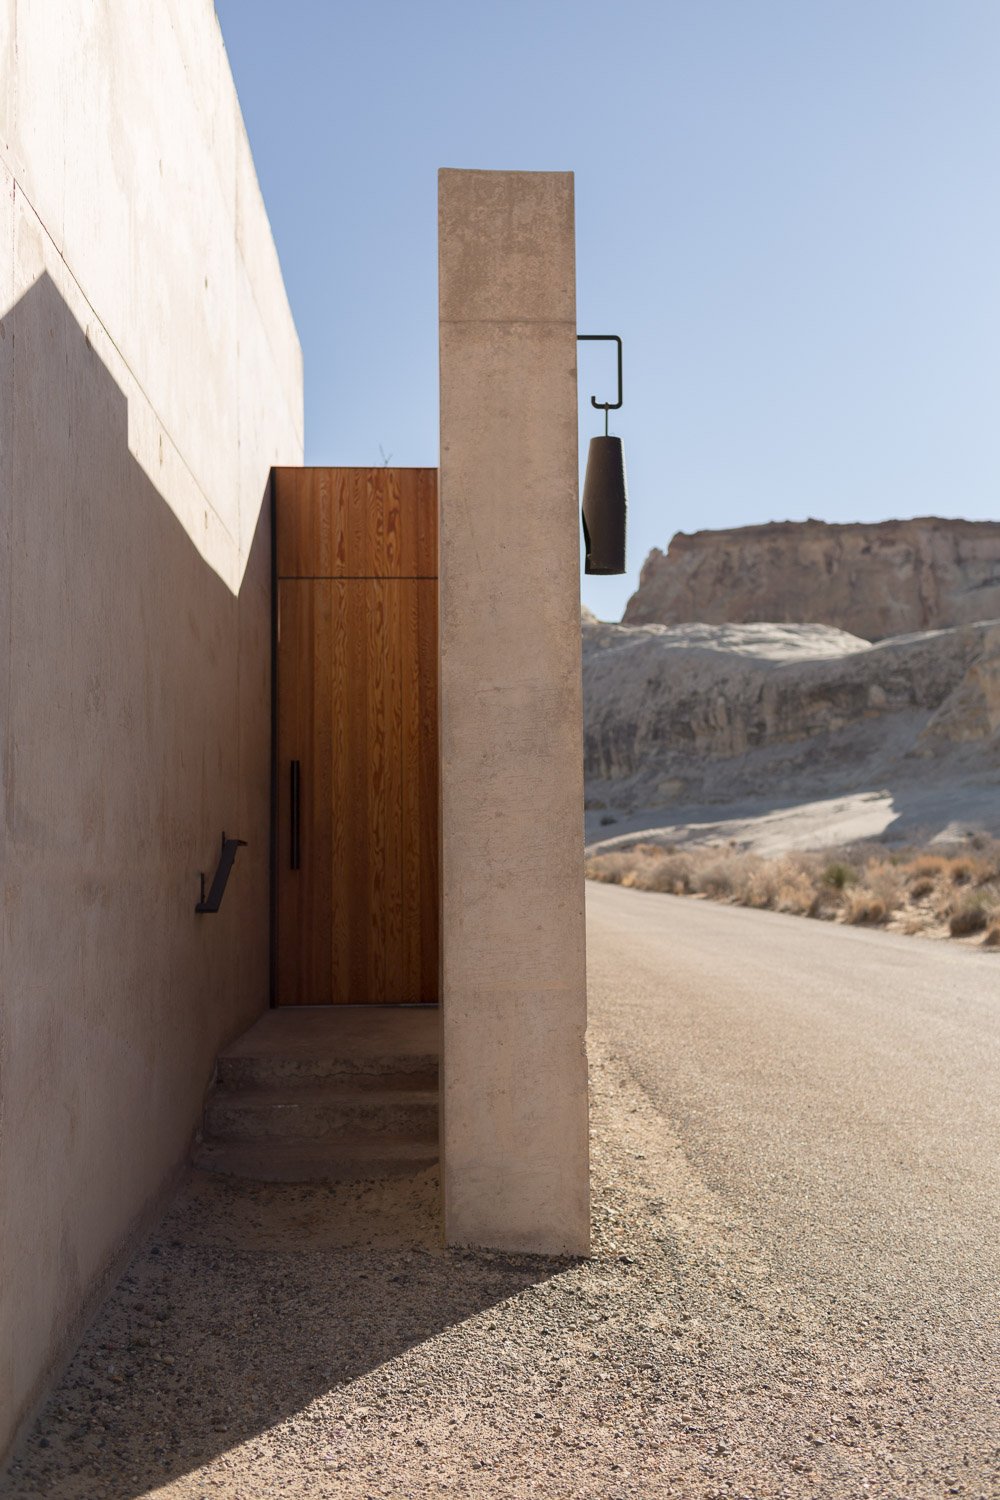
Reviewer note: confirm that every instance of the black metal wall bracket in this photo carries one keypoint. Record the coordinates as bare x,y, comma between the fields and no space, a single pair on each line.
213,900
605,338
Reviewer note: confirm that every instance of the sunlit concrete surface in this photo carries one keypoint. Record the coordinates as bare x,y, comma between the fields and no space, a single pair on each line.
150,375
514,1082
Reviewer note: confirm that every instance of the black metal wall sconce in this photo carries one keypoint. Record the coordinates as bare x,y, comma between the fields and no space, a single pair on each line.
213,900
605,496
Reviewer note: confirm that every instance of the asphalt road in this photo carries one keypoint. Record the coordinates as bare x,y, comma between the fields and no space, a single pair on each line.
838,1092
792,1294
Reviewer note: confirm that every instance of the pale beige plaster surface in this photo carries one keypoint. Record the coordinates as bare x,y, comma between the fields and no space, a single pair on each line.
150,375
514,1075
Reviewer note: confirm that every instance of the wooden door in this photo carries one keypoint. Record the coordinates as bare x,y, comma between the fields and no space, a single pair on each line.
356,767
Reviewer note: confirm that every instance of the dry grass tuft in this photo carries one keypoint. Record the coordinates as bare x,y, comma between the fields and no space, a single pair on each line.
927,866
611,868
863,908
974,912
916,891
885,881
967,918
796,894
668,872
722,878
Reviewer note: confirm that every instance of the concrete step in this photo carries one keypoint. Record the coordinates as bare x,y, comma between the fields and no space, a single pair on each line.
266,1070
355,1044
347,1159
326,1093
320,1111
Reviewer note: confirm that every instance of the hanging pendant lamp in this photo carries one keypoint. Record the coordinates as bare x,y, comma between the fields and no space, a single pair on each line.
605,493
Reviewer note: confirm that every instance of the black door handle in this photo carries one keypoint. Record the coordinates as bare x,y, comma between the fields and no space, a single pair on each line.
296,814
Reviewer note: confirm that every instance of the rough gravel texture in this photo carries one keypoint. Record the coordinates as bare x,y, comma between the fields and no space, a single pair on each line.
319,1342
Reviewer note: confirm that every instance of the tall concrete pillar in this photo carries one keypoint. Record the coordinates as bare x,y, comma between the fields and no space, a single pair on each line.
514,1074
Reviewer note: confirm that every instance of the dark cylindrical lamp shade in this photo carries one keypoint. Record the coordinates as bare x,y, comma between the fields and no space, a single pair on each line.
605,499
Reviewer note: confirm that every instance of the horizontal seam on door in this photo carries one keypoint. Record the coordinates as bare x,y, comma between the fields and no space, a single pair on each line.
357,577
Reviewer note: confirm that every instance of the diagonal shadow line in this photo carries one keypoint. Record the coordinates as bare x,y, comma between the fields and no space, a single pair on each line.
134,691
249,1301
244,1307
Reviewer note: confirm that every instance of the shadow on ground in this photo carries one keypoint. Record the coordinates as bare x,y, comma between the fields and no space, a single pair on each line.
251,1300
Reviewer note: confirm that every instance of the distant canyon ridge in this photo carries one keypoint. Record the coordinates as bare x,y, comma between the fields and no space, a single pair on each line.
801,681
874,581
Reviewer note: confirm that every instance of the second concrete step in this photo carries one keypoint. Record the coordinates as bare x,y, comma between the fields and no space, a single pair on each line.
312,1111
346,1091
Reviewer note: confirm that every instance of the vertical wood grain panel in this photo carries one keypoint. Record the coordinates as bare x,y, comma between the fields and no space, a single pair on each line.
356,523
356,554
410,748
392,889
286,709
379,753
426,774
317,792
344,812
426,482
420,792
296,674
352,873
354,488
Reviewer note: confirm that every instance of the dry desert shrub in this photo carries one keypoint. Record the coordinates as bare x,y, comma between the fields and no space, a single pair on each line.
934,879
797,894
971,869
967,917
763,883
926,867
974,911
885,882
722,877
975,868
863,908
611,868
839,875
670,873
958,893
878,896
640,876
645,867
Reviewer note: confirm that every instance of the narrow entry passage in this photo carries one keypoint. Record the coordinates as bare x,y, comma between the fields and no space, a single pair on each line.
356,763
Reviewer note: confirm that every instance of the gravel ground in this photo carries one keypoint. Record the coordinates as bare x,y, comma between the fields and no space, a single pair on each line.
320,1343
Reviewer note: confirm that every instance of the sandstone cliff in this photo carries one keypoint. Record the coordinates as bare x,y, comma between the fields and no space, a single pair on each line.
699,713
874,581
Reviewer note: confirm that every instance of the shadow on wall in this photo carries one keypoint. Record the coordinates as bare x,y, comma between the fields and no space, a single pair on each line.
135,709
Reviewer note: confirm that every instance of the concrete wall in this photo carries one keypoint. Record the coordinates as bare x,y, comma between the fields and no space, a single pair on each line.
514,1086
150,376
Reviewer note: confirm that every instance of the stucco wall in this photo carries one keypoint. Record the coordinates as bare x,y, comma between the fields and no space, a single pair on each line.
150,375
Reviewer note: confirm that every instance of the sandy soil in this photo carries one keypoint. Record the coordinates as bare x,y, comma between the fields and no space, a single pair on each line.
319,1342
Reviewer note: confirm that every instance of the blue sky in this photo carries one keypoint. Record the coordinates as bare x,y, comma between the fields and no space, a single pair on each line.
789,209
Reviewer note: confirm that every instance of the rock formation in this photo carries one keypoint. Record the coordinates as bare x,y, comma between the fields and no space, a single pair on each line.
698,713
874,581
